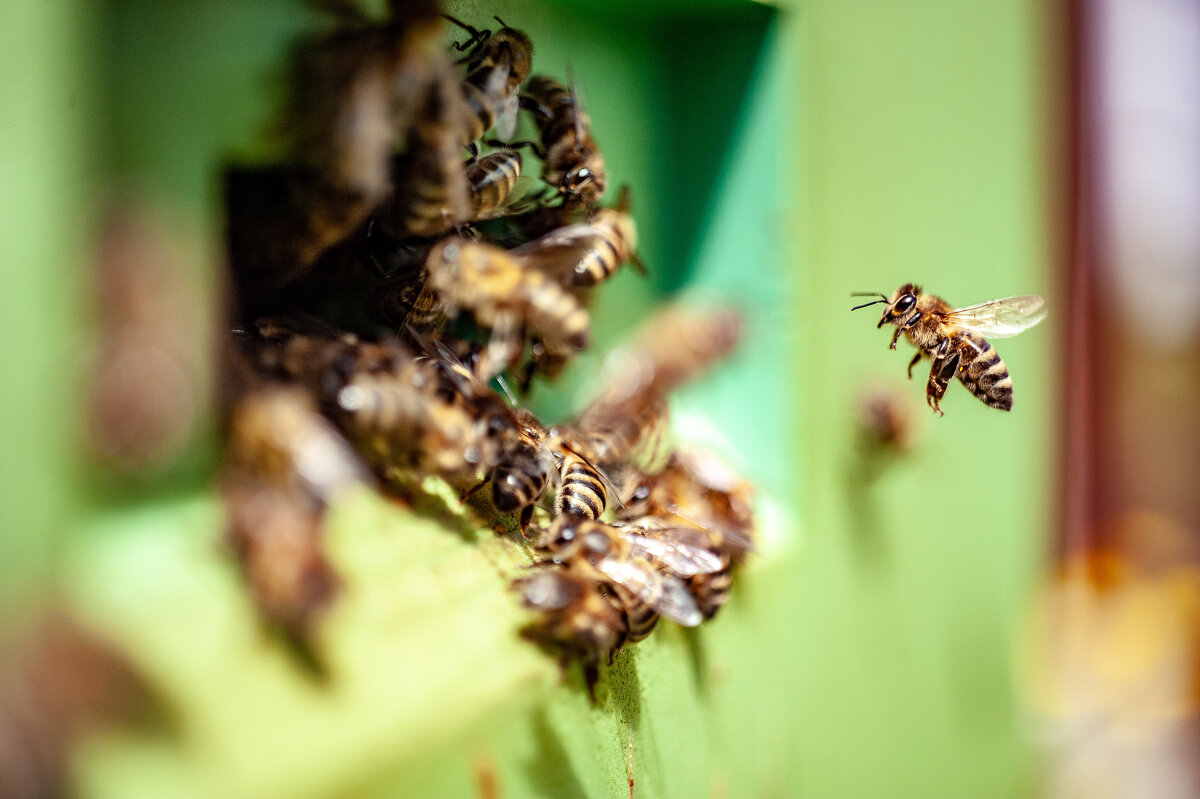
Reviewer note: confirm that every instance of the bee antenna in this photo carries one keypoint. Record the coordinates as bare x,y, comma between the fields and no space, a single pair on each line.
503,24
868,294
867,304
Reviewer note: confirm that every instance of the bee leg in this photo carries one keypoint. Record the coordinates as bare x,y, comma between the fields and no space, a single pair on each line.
895,338
526,516
945,364
915,360
532,145
471,491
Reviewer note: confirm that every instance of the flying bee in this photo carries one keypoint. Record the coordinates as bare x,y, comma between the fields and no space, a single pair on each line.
497,64
587,253
577,616
505,296
619,559
571,161
954,339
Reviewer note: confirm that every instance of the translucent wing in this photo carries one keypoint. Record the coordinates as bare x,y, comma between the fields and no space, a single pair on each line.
1001,318
680,549
506,117
558,252
665,593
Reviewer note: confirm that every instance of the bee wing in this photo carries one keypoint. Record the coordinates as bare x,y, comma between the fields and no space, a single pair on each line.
506,117
665,593
666,546
1001,318
558,252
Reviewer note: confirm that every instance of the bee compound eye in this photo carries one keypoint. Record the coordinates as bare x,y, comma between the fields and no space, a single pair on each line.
905,303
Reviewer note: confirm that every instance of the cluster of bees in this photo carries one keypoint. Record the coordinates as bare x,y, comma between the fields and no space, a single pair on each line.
392,270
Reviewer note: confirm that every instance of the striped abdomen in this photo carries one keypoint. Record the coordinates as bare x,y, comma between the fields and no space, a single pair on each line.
519,480
491,179
582,491
557,316
711,591
614,246
641,618
985,375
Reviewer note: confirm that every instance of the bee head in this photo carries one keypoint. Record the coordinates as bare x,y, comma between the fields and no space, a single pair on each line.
899,306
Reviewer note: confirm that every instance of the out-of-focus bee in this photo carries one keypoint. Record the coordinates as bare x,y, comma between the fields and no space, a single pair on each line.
674,346
623,558
586,253
572,163
355,92
411,421
627,421
60,684
954,339
505,296
576,615
431,192
283,463
497,64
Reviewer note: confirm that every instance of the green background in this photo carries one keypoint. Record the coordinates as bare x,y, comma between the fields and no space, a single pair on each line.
781,157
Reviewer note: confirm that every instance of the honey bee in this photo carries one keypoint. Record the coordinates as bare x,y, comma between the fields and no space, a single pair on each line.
411,420
355,91
571,161
576,615
587,253
431,194
493,183
954,339
283,464
696,489
505,296
620,557
524,470
497,64
627,422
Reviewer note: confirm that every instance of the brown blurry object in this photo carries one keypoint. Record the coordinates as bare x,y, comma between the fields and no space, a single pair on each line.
1111,663
885,421
148,354
58,682
284,463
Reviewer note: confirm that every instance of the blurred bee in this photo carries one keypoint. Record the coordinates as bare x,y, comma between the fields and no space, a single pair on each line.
954,339
508,298
431,192
355,91
412,420
283,464
627,422
497,64
587,253
576,615
571,161
623,558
